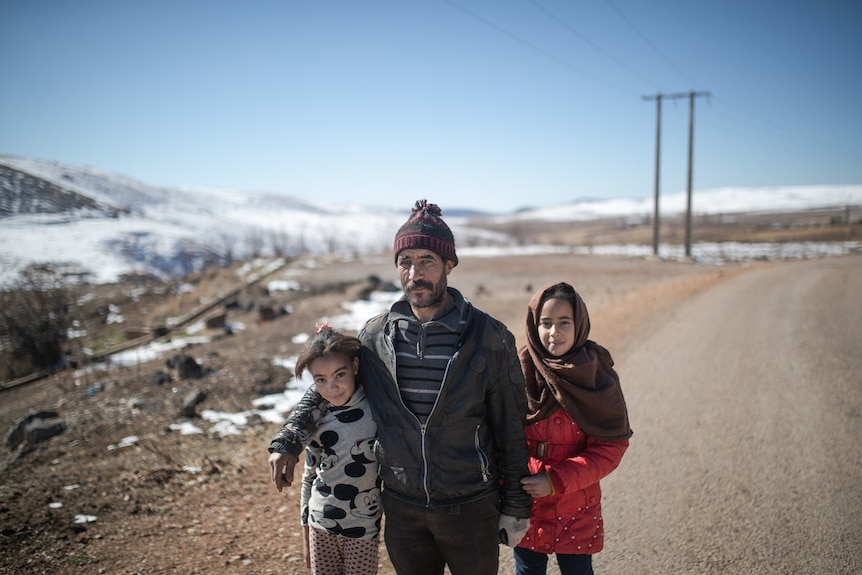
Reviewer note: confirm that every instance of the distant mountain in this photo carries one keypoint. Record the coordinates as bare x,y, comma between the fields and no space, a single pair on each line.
710,201
119,193
24,193
110,225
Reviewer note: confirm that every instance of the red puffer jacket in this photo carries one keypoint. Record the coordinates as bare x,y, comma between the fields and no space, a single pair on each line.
570,520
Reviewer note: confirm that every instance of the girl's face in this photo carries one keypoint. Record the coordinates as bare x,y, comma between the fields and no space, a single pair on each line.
334,377
557,326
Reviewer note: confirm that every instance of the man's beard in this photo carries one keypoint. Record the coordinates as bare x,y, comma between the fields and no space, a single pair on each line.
433,296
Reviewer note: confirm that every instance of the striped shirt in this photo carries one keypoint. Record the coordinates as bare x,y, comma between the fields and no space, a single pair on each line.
423,352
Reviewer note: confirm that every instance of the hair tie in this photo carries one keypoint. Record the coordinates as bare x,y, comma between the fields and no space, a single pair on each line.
322,326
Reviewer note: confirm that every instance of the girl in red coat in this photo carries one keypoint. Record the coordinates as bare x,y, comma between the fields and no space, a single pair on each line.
577,429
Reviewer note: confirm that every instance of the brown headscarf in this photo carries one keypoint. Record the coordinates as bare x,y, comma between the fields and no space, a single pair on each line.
583,381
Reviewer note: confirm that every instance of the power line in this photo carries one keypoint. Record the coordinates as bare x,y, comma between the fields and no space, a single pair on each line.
592,44
534,47
779,134
649,42
769,133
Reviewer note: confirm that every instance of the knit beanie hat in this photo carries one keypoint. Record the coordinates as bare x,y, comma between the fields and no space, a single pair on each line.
426,230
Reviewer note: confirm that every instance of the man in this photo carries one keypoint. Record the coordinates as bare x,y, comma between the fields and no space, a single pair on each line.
448,395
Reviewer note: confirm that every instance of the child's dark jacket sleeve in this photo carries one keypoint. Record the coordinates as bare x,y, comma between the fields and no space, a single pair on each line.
301,424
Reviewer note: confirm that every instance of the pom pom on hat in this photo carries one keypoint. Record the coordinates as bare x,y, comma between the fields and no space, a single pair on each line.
426,230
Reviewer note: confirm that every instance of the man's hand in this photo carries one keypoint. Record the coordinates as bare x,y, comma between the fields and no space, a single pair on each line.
281,469
513,529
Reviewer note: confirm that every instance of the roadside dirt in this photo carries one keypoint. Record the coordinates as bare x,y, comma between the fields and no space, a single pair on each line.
203,503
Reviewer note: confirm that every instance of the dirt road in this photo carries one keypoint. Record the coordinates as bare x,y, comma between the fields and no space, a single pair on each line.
743,385
746,402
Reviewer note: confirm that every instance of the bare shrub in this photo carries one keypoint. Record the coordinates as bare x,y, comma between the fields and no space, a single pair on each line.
34,320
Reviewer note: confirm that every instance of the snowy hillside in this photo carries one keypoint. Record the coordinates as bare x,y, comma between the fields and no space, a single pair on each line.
716,201
109,225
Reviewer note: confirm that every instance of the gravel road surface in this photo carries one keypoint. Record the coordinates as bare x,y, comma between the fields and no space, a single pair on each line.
746,403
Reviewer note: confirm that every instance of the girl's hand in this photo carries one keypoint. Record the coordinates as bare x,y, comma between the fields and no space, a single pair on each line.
538,485
281,469
306,552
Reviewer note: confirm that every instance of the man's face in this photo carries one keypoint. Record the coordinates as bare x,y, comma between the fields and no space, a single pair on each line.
423,276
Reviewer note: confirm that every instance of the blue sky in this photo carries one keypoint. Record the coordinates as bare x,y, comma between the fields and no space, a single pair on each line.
471,103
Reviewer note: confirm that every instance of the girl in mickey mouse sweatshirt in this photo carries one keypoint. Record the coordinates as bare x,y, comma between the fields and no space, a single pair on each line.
341,511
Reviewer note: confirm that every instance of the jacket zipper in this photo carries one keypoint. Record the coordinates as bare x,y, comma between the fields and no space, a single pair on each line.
424,466
423,426
483,459
394,377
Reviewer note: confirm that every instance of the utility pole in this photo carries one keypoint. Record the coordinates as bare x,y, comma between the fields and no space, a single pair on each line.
658,98
655,217
692,95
